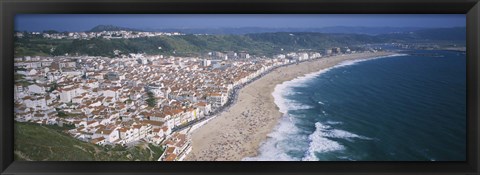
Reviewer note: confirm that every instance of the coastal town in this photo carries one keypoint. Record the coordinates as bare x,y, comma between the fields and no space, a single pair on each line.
122,34
138,98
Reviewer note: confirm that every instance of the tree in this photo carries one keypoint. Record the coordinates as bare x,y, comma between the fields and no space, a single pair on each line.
151,100
53,87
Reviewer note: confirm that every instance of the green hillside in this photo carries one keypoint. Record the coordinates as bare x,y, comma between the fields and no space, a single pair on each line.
190,45
308,40
168,45
194,45
49,143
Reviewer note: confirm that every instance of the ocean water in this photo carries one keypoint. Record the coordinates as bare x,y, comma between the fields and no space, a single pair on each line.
407,107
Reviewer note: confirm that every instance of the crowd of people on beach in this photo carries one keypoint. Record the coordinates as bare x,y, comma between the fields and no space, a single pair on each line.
232,98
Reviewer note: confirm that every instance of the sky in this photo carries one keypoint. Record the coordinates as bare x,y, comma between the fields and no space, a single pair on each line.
84,22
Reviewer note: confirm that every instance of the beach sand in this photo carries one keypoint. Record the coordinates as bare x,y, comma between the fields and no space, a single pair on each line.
238,132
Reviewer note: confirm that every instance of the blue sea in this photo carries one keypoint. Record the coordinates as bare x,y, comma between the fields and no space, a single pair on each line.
406,107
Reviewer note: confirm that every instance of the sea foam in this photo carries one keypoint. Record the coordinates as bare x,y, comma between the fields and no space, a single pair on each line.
319,143
283,139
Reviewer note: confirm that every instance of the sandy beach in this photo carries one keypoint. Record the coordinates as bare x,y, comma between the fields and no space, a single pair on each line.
238,132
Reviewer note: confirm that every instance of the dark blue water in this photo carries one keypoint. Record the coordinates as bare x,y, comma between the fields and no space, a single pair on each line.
401,108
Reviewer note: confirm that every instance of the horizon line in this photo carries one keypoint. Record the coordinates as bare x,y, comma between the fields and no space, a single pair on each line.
164,28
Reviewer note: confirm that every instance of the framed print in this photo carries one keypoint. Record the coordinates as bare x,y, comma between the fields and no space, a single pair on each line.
185,87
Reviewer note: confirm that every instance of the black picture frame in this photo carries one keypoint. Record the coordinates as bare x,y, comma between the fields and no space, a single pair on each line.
8,9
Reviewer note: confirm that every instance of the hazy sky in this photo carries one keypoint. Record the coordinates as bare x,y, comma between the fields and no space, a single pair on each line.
76,22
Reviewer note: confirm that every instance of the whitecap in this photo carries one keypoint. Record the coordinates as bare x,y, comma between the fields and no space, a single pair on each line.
333,123
320,144
336,133
324,113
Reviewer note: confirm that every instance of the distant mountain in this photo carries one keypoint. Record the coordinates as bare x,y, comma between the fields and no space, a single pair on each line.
367,30
101,28
249,30
434,34
456,33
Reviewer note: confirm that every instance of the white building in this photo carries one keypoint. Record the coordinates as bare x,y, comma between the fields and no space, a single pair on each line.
110,93
206,62
303,56
36,89
217,99
67,94
36,103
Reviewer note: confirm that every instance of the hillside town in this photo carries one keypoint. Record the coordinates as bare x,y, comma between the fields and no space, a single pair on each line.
121,34
137,98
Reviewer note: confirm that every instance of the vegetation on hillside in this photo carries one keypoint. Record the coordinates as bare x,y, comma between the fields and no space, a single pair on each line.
49,143
151,100
194,45
190,45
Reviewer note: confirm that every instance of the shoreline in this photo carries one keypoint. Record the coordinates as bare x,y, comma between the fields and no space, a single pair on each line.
238,131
